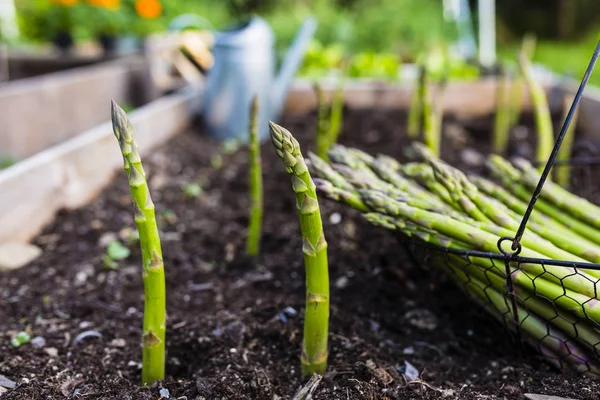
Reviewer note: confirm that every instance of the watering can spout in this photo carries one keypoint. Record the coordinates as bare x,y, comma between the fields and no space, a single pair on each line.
291,62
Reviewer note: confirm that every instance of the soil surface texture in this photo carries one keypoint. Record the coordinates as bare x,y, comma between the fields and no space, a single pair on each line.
397,330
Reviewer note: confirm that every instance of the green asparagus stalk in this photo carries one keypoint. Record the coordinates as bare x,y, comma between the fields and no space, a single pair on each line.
542,113
316,320
256,184
481,240
154,325
562,173
482,208
562,198
333,192
415,112
502,117
336,113
431,128
510,177
519,207
322,122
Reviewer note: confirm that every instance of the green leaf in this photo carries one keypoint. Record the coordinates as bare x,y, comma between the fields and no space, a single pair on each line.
14,342
192,190
23,337
116,251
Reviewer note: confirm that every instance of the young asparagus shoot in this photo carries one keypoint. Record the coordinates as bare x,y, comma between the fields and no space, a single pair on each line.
415,112
154,325
562,173
336,114
316,319
503,113
517,84
256,184
322,122
431,120
543,120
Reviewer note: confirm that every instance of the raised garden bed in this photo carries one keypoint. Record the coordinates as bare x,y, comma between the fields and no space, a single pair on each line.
234,322
42,111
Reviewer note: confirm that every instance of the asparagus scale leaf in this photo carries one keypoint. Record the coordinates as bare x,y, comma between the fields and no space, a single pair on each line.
154,325
316,319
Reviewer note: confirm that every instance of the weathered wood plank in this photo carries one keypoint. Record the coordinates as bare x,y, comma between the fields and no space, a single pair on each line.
463,99
72,173
38,112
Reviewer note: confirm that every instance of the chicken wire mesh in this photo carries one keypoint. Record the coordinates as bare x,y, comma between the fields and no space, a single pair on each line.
540,300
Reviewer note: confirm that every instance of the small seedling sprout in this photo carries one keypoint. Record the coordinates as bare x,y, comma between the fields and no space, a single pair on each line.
115,251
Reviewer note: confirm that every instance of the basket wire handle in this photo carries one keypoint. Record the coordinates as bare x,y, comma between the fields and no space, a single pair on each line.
516,241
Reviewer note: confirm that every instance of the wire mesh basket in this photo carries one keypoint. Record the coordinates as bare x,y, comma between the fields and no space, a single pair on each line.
553,305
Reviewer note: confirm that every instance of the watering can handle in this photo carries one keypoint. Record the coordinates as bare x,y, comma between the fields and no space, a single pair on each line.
291,63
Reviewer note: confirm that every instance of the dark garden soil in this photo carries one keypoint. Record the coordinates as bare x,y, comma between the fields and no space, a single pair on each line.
234,327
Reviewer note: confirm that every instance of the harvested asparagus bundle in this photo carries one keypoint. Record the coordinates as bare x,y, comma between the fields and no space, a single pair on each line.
155,316
556,307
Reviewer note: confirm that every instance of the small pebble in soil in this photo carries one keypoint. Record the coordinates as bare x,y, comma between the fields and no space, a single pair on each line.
85,335
408,351
51,351
7,383
341,282
291,311
118,342
38,342
335,218
409,371
164,393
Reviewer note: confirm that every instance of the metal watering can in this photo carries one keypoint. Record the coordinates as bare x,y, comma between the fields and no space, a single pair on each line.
245,66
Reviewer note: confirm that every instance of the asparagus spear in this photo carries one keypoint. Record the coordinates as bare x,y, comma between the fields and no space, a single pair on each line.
256,187
341,195
477,203
562,173
502,117
562,198
415,113
154,326
316,320
322,123
336,114
510,177
480,239
431,122
542,113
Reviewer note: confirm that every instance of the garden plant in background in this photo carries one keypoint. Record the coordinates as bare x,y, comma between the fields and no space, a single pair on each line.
502,117
562,173
256,183
415,111
155,316
322,137
314,247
